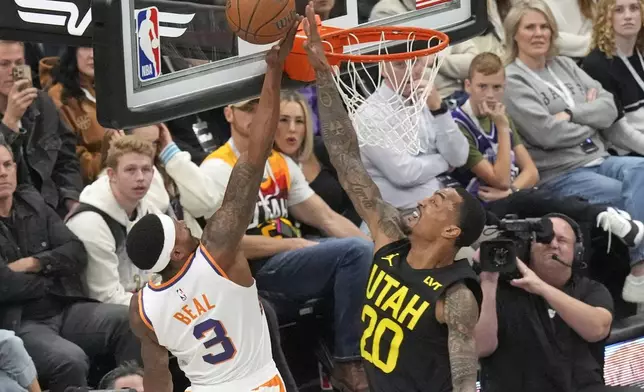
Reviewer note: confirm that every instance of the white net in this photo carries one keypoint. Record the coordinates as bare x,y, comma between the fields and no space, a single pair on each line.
389,109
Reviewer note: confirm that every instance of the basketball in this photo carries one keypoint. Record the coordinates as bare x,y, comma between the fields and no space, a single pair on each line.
260,21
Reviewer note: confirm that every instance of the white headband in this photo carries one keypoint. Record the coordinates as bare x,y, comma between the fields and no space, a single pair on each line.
169,236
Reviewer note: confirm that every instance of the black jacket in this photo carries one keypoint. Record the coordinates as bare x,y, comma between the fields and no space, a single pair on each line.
41,233
45,153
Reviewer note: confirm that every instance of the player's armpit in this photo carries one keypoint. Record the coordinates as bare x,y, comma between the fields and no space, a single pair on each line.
341,141
461,314
156,376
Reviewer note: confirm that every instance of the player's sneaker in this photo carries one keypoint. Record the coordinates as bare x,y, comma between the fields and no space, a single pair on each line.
621,224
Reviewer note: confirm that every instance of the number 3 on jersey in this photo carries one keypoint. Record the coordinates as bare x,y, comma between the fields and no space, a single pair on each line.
219,337
376,328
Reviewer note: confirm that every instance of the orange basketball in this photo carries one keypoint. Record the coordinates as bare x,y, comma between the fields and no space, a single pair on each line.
260,21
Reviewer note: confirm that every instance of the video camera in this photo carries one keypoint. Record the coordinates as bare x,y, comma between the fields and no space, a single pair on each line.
515,240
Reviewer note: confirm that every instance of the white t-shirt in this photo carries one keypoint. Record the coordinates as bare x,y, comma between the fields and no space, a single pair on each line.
275,197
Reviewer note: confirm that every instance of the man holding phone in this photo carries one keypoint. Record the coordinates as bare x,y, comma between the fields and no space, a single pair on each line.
43,146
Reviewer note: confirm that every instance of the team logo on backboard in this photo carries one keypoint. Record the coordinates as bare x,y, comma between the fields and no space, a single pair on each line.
148,43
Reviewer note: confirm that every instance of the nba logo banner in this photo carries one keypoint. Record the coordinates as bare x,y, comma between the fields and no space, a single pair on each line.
148,44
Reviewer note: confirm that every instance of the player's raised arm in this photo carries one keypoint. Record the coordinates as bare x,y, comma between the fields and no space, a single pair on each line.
341,141
225,228
461,314
156,376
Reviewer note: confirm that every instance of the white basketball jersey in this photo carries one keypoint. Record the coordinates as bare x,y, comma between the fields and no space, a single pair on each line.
216,328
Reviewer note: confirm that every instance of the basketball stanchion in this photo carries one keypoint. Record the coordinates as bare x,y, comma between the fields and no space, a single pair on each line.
392,122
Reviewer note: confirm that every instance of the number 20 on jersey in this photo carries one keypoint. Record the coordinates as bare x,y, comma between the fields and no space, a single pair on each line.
370,343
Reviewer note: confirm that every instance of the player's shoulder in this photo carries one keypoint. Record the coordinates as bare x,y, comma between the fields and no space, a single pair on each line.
460,295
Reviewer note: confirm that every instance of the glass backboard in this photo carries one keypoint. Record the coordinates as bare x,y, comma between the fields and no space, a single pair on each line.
160,59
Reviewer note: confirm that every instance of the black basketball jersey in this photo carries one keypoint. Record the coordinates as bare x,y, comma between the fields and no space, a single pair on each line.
403,346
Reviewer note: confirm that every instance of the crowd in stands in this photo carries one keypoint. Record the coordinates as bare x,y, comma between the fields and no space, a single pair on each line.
541,114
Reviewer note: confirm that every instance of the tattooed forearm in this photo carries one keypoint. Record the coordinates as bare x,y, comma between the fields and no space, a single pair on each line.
226,227
341,142
461,314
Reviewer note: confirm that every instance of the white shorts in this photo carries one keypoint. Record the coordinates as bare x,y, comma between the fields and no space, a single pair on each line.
266,379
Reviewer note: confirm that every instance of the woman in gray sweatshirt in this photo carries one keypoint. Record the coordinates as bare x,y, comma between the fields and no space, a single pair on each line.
559,111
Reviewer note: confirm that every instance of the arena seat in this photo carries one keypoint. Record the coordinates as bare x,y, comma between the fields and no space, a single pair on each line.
626,329
307,335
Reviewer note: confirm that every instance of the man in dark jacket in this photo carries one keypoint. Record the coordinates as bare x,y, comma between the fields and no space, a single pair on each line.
42,298
43,146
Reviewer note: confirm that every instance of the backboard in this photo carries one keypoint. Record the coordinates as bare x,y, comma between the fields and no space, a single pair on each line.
160,59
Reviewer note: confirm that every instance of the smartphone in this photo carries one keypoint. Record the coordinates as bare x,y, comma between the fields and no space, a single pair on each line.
20,72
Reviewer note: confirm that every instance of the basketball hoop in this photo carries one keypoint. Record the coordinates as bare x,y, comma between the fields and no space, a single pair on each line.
391,116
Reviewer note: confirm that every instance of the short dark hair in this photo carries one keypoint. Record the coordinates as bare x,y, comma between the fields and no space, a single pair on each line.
144,242
129,368
471,219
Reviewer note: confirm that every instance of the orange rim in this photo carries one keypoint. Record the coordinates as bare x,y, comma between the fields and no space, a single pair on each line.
334,43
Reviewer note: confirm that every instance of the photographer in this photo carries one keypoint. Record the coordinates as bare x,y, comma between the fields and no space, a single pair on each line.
549,326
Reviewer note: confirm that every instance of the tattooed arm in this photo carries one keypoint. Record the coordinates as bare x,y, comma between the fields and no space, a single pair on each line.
384,221
461,313
226,227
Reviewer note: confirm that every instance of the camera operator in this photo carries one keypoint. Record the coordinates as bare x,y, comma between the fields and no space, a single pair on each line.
546,330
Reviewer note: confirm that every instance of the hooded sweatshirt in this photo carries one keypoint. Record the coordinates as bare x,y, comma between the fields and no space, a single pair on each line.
111,276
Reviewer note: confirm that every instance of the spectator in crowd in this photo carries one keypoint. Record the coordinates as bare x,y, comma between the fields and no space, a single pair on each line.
128,375
295,139
493,39
179,188
42,144
160,198
109,207
286,265
575,21
498,163
42,297
552,317
17,370
403,178
73,93
559,112
616,59
500,171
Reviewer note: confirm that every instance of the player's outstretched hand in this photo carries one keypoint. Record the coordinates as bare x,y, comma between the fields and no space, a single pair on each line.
276,56
313,43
